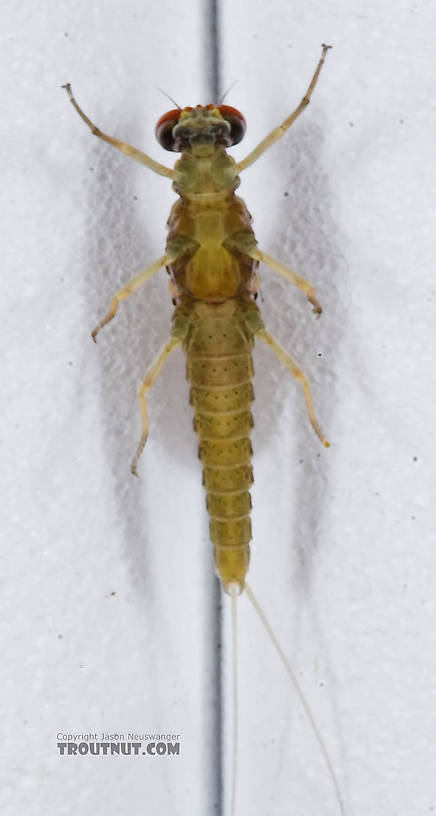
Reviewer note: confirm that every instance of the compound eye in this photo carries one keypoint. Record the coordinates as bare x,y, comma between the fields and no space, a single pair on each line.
236,122
164,129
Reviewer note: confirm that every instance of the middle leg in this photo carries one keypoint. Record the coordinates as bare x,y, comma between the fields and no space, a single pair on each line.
133,286
289,275
245,243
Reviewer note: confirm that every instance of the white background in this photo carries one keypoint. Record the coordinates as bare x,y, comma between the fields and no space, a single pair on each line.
343,556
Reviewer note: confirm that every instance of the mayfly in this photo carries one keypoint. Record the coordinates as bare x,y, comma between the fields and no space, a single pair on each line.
212,258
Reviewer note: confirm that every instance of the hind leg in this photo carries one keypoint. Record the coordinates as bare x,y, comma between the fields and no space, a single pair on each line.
298,374
150,378
178,333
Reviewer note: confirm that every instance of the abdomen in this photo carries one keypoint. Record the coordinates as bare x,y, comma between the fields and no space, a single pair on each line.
219,370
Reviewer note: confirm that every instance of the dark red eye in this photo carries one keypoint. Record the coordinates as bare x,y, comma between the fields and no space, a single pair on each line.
164,129
236,122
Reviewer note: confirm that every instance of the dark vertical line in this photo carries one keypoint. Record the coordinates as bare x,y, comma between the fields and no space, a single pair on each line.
217,715
213,55
213,49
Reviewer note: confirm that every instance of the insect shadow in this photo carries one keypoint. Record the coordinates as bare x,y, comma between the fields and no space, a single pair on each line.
307,238
118,246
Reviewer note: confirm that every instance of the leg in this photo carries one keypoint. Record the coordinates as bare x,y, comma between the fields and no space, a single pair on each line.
123,146
296,372
278,132
245,243
147,382
290,276
131,287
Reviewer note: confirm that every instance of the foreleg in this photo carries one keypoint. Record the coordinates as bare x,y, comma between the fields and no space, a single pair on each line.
278,132
138,155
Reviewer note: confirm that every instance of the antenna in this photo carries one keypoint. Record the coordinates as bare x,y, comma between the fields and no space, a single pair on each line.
226,92
169,97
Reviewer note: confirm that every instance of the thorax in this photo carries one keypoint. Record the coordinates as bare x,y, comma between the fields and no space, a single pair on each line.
205,180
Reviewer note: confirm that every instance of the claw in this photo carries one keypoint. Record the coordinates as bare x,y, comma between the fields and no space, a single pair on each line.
317,309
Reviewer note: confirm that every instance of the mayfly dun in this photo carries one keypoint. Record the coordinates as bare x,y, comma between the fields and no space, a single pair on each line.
212,258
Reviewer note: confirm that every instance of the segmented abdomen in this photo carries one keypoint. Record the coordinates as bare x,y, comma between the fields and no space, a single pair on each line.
219,369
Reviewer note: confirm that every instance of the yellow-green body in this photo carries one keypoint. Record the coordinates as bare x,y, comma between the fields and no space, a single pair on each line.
214,286
212,257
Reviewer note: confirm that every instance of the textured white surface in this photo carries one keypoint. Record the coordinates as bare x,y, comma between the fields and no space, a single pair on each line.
343,552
